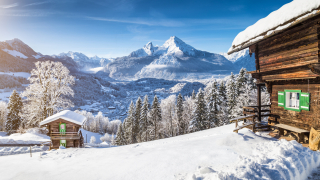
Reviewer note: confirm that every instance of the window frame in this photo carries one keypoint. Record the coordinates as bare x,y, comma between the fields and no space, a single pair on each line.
285,100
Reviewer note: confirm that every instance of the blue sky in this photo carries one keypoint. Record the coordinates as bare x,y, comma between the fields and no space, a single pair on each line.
113,28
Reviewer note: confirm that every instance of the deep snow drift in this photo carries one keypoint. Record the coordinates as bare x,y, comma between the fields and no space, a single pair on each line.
211,154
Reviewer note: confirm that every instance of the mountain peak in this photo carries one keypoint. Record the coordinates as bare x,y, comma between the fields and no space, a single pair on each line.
178,47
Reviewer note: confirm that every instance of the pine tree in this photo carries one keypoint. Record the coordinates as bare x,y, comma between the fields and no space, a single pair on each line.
14,108
241,80
193,95
223,114
144,123
179,110
120,139
137,115
231,95
213,104
129,126
156,117
200,115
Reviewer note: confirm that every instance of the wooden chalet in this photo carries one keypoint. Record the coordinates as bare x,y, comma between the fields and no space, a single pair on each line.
64,129
287,59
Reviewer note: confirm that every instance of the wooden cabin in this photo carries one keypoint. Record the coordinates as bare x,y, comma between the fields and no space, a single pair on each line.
286,49
64,129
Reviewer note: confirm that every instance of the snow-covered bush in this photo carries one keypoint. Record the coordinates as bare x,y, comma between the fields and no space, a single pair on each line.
106,138
93,140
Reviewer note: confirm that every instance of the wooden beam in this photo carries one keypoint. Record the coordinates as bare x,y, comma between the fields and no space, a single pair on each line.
259,101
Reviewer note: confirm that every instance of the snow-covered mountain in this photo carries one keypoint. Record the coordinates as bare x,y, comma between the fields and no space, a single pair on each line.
84,61
242,59
173,60
17,48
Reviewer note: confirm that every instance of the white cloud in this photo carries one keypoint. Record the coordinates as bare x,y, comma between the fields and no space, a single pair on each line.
149,22
37,3
9,6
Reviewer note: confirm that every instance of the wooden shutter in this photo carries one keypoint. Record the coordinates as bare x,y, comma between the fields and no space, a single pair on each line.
62,128
63,143
305,101
281,98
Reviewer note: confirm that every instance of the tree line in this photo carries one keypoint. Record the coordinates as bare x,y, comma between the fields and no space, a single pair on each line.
210,107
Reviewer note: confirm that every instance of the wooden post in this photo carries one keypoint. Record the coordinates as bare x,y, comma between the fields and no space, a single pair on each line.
259,101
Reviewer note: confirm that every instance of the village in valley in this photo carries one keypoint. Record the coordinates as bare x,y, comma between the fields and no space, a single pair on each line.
160,112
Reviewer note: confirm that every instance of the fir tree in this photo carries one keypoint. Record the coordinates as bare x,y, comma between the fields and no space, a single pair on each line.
14,108
213,103
241,81
144,123
120,139
200,115
136,125
156,117
223,114
179,110
231,95
129,126
193,95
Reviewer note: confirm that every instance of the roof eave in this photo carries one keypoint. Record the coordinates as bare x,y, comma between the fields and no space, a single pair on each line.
246,45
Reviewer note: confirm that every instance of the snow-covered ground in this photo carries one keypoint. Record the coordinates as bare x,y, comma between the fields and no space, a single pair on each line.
25,138
211,154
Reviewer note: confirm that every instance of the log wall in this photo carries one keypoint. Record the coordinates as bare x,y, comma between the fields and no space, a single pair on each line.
304,119
71,127
293,48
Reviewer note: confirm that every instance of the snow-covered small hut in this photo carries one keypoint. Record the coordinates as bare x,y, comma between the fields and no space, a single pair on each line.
64,129
286,45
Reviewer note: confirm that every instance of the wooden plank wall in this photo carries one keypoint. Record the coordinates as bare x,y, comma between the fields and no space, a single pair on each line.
71,127
295,47
304,119
70,143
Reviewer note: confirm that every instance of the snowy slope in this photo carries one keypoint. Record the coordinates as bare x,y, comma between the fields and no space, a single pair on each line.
242,59
173,60
211,154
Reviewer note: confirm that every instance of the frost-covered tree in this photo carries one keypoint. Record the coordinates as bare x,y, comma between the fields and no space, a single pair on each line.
168,127
179,114
14,109
130,125
213,102
200,114
223,113
144,120
241,81
47,93
93,140
137,115
188,113
231,95
120,139
155,117
3,115
193,95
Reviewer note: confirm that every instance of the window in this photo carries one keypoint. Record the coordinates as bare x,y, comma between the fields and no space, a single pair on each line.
294,100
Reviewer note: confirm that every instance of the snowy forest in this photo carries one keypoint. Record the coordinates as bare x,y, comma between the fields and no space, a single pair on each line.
210,107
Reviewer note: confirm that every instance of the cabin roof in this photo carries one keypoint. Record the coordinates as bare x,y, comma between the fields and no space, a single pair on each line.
287,16
66,115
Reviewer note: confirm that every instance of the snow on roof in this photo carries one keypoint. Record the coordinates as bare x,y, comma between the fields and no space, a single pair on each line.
277,21
66,115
